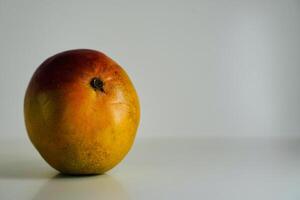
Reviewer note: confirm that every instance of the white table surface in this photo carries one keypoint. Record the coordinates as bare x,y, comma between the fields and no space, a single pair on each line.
164,168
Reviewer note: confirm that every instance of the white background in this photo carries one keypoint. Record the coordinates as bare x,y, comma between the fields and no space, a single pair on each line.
226,72
201,68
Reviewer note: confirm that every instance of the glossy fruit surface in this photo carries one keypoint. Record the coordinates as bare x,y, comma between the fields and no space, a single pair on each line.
81,112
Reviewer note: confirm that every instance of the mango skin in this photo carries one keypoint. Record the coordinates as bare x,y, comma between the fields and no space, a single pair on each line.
79,130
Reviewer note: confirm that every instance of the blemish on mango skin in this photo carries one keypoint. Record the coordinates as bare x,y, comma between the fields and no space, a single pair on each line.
76,129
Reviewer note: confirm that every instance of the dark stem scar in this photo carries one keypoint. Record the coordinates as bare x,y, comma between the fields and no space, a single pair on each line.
97,84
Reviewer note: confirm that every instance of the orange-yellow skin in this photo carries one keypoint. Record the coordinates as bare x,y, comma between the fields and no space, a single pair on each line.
75,128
